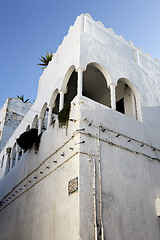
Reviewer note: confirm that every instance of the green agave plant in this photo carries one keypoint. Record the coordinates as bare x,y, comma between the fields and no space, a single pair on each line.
45,60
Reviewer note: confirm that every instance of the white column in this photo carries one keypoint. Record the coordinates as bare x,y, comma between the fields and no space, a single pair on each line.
80,82
49,116
113,95
11,162
61,103
17,153
40,120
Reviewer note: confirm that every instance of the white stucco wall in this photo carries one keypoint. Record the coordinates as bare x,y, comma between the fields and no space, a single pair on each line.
11,115
38,193
128,169
129,187
116,58
115,157
45,211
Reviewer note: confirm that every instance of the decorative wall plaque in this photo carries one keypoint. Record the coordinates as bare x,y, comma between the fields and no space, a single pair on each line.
73,185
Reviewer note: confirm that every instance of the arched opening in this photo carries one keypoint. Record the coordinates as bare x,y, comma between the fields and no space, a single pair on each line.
126,99
54,103
28,128
35,122
55,110
95,86
44,117
68,88
71,89
45,120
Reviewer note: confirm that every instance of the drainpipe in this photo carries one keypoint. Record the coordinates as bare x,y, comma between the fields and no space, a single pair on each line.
100,188
94,193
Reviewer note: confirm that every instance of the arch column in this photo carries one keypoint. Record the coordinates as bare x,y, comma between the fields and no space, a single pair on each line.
80,81
12,158
11,162
22,152
40,121
112,87
7,166
17,153
49,116
61,101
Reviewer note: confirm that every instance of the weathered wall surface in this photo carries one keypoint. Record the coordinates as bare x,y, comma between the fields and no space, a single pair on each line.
128,169
11,115
37,203
42,208
46,211
128,204
115,157
118,181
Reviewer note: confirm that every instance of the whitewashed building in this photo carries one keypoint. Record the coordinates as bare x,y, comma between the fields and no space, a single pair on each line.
98,177
11,114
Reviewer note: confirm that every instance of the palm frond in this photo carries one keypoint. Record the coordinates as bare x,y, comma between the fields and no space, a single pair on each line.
42,64
45,60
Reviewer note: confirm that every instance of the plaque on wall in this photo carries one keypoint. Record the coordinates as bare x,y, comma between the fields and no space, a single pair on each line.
73,186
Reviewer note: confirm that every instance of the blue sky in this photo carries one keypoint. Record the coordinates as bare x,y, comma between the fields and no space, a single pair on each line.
28,29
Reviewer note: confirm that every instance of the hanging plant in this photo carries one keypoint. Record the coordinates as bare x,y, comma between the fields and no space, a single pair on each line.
27,139
63,115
